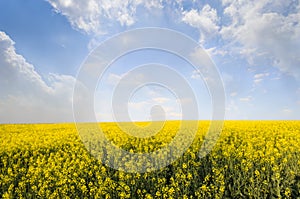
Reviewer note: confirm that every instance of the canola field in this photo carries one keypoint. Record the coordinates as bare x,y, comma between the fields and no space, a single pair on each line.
251,159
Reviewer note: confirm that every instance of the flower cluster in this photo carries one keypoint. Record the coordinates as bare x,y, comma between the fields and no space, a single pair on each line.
251,159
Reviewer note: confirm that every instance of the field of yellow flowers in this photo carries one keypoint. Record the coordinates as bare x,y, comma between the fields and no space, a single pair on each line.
251,159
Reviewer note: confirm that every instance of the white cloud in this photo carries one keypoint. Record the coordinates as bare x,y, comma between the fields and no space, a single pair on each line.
151,109
25,96
216,51
83,15
231,106
245,99
93,16
256,81
233,111
14,69
233,94
150,4
196,75
156,105
265,30
206,20
287,111
175,115
113,79
161,100
259,77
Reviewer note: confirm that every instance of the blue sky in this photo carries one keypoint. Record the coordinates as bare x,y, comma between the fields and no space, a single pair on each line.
255,45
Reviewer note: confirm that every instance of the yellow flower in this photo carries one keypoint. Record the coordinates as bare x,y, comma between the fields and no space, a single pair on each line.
171,191
257,173
189,176
287,192
204,187
158,194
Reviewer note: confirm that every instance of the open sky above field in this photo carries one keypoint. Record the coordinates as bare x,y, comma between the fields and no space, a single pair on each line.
254,44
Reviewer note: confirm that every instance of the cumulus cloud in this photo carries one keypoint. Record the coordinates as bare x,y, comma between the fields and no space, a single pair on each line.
92,16
24,94
206,20
15,70
265,32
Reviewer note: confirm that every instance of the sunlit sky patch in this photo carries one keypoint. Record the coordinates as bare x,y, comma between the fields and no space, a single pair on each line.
254,44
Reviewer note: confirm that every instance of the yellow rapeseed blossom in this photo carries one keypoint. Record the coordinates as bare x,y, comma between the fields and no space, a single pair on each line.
251,159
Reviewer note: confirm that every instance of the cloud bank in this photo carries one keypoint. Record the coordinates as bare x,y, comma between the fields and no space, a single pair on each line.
25,95
263,34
